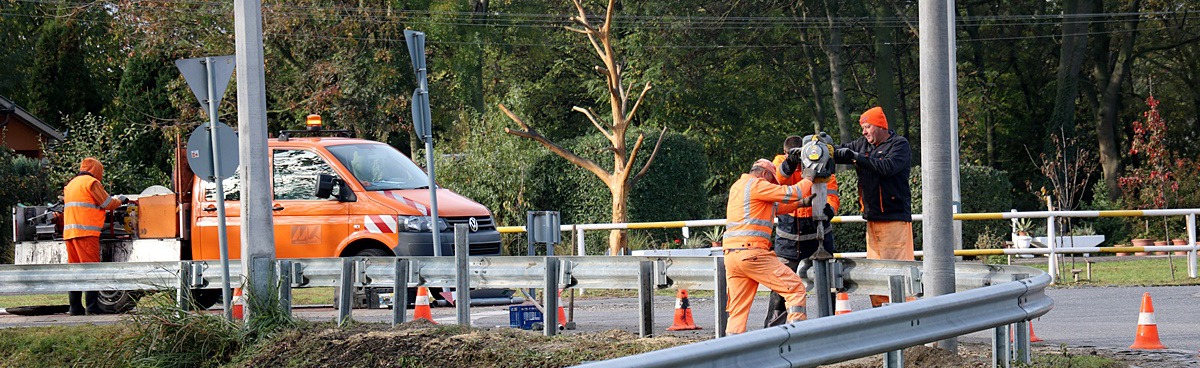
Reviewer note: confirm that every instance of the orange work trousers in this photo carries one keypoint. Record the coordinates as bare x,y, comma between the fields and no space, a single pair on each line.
83,250
889,240
745,270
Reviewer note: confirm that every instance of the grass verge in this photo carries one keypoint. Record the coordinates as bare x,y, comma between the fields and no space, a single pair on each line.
1111,271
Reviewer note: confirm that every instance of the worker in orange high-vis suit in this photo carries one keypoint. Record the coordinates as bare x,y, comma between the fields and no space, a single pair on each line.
85,201
749,260
796,236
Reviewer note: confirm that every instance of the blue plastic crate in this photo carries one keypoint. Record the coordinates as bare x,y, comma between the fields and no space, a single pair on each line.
524,316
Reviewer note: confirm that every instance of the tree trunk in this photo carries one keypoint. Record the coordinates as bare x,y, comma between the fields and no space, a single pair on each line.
885,61
1070,61
818,101
1110,71
618,240
834,50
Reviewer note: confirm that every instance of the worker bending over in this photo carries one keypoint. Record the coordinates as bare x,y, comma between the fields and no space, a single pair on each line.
749,260
84,203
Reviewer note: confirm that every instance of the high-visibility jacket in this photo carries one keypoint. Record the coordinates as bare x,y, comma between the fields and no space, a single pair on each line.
832,197
751,210
84,204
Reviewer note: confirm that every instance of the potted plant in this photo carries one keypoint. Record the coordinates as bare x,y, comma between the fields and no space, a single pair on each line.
1180,243
713,236
1142,239
1020,236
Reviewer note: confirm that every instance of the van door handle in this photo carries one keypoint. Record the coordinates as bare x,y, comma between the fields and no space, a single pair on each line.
277,207
210,208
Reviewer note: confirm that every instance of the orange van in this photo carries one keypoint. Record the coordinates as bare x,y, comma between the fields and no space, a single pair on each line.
335,196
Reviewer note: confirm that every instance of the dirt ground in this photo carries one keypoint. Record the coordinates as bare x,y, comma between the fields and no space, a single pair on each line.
423,344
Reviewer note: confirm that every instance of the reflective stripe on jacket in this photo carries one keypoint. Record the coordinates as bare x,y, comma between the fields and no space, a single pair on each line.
83,214
751,209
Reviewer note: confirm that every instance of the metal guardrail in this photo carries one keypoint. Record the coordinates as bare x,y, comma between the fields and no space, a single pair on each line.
986,296
833,339
592,272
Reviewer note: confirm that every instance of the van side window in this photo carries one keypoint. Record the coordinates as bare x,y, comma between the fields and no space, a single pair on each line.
232,187
295,174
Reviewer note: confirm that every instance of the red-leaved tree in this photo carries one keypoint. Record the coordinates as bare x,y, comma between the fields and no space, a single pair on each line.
1151,184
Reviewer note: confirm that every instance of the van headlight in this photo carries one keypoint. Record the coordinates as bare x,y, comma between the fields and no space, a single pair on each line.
420,224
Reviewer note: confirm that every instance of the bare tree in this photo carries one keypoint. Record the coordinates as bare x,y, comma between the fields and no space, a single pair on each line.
619,180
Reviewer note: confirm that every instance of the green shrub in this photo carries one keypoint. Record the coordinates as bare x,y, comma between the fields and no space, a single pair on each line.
673,188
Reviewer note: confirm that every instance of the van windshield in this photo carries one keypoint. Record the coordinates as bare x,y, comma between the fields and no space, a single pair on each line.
380,167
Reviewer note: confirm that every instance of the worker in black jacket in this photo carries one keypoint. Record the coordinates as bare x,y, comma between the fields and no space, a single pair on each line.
882,161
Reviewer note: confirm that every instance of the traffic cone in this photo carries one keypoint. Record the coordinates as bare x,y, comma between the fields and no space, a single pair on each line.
237,302
421,309
842,305
1033,337
683,313
562,315
1147,330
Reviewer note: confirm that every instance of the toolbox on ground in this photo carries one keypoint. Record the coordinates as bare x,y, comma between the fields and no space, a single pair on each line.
524,317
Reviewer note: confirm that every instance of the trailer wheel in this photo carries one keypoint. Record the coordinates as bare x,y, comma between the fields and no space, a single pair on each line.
119,301
206,298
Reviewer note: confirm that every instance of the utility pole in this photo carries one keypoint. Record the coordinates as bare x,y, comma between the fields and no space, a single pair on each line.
938,227
257,229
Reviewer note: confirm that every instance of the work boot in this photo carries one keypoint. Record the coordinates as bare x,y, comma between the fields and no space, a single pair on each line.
92,299
776,311
73,298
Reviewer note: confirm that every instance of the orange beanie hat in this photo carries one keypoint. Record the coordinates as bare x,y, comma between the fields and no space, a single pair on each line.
875,117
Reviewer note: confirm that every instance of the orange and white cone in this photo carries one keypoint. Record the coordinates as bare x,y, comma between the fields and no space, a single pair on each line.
842,305
421,310
1033,337
683,313
237,302
1147,330
562,315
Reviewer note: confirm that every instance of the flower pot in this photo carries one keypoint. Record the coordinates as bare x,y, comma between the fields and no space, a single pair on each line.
1160,243
1142,243
1180,242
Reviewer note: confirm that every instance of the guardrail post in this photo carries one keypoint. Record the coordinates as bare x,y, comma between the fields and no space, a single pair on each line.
284,271
646,298
550,298
1191,229
1000,347
399,291
1021,349
462,297
895,358
183,294
821,286
346,293
1021,342
720,296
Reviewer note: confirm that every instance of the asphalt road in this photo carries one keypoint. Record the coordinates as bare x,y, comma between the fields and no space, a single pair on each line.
1101,317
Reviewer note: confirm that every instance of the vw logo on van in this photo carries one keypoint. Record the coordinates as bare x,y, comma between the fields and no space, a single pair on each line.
473,223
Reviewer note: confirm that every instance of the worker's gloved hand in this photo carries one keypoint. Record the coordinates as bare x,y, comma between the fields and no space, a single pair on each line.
123,199
807,201
794,156
829,213
845,154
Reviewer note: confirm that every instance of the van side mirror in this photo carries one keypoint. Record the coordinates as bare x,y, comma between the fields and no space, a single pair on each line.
326,183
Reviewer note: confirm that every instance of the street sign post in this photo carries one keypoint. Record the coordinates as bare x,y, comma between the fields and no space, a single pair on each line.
208,78
423,125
